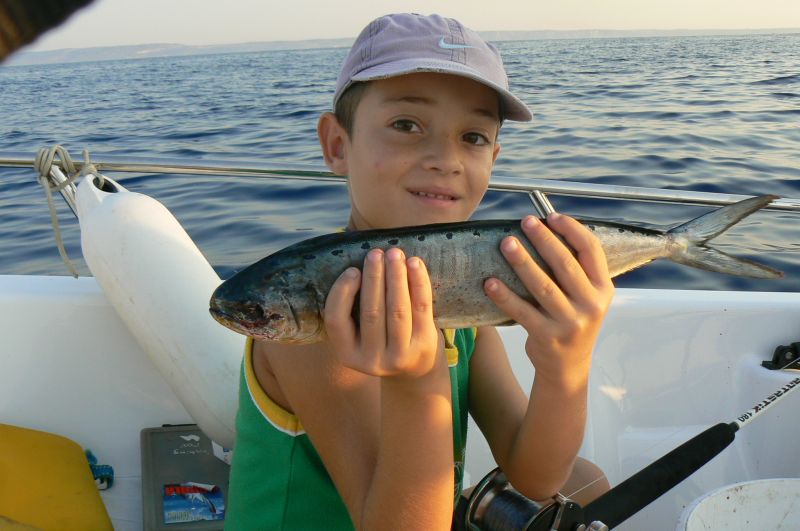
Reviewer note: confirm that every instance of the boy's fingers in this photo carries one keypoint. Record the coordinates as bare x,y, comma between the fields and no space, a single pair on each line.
536,281
398,305
339,325
566,269
589,252
372,317
419,285
513,305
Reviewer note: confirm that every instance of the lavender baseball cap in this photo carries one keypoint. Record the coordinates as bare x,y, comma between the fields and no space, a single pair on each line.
406,43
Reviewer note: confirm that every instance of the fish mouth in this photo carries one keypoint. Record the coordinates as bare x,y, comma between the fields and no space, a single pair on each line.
236,321
227,320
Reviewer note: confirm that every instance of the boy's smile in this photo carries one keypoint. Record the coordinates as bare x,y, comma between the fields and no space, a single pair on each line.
422,150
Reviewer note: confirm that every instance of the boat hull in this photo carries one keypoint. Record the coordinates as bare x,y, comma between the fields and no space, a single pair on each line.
668,364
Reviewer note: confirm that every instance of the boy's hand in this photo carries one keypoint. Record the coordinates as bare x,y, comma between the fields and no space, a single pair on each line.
396,336
563,328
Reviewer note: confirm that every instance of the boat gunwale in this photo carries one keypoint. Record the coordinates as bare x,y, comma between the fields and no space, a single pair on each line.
308,172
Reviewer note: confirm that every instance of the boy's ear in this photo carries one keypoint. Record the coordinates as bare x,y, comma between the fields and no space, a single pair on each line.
333,141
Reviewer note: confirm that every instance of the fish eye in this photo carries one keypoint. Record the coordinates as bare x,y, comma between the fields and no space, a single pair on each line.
256,311
274,317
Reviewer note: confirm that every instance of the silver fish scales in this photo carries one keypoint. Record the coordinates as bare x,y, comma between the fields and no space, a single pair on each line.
281,297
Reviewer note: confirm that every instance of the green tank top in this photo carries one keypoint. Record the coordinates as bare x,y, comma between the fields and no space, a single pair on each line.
278,480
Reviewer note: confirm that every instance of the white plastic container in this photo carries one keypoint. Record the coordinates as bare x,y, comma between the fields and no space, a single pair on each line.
763,505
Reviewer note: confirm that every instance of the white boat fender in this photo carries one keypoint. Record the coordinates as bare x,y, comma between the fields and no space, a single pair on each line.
160,283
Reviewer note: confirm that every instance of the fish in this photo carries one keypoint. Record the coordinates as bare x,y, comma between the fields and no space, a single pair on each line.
281,297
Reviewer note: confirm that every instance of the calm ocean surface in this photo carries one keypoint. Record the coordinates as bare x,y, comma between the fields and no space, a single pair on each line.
696,113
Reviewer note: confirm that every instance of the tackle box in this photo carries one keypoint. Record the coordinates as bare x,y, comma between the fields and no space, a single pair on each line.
184,484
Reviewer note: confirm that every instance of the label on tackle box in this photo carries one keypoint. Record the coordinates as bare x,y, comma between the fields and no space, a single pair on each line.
192,502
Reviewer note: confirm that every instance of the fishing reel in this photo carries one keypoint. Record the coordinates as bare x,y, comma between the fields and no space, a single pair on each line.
494,505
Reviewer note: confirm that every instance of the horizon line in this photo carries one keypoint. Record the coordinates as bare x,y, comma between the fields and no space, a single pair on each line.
117,52
316,39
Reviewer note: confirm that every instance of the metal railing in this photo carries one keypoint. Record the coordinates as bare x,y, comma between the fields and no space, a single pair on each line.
501,183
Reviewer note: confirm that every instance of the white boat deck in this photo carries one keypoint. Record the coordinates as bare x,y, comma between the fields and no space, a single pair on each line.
668,364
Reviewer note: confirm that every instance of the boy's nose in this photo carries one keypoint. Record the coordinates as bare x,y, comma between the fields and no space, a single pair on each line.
443,156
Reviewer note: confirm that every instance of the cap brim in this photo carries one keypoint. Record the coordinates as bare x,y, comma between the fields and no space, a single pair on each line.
513,107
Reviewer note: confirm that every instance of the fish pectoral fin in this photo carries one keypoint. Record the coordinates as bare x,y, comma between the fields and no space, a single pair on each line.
712,259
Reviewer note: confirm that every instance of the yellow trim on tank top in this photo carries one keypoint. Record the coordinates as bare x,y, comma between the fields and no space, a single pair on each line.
288,422
449,347
275,414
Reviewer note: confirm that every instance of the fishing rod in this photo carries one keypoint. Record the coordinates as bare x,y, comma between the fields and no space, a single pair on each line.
495,505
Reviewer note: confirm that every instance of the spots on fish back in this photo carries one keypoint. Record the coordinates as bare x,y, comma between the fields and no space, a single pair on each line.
506,229
449,235
393,241
365,245
592,227
476,233
620,230
337,252
309,256
421,237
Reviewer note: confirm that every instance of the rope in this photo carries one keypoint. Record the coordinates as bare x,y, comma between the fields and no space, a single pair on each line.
45,160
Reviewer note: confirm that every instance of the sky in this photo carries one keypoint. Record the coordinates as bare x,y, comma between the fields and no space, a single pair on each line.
198,22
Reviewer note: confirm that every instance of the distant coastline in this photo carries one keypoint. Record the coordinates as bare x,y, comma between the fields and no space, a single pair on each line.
143,51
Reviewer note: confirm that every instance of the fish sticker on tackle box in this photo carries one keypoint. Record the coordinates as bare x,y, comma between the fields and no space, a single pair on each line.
192,502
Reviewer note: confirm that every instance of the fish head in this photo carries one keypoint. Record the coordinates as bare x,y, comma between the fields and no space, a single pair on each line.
264,314
264,307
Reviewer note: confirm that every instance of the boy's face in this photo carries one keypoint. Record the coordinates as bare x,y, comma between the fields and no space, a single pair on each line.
422,150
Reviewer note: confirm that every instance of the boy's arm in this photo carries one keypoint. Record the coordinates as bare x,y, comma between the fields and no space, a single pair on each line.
375,399
536,441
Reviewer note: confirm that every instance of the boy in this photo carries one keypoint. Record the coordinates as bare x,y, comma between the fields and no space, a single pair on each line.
367,429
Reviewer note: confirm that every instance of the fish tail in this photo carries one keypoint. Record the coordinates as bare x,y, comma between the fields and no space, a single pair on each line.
703,228
714,260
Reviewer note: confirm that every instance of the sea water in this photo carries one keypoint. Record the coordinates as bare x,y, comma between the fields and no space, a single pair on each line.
711,113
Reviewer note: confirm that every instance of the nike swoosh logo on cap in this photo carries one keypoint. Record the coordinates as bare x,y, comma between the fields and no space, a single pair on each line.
448,46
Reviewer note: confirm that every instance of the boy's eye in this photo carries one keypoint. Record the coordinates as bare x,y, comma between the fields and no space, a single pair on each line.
476,139
406,126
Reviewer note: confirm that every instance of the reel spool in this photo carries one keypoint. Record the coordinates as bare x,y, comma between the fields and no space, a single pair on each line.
494,505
